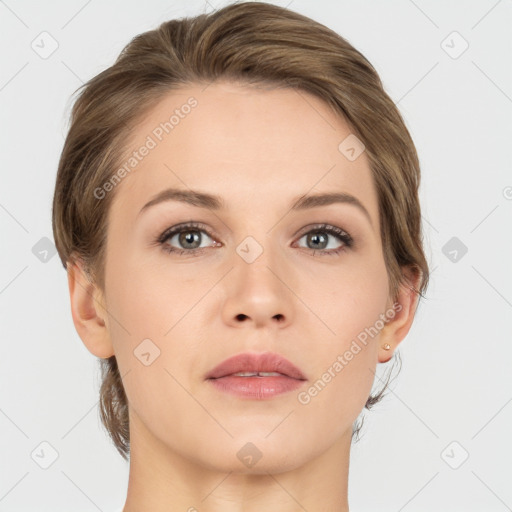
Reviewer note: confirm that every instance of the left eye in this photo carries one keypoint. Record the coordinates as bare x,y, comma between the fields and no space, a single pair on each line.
318,237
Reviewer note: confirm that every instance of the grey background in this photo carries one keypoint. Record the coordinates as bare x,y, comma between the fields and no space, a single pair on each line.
455,384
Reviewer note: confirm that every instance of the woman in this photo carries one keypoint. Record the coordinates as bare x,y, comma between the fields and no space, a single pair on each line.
237,209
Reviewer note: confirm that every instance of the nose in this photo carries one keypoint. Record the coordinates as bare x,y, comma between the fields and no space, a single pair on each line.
258,294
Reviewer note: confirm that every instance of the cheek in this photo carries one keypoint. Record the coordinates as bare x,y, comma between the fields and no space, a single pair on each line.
351,308
149,300
347,300
152,341
344,364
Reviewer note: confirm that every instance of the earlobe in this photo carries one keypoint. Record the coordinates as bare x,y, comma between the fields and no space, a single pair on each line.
88,311
397,327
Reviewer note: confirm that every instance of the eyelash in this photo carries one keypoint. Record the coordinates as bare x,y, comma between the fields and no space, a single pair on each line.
342,236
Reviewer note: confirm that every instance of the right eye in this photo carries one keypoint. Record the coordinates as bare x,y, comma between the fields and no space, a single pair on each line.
188,236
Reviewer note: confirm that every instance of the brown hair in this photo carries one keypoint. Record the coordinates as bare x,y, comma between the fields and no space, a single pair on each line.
251,43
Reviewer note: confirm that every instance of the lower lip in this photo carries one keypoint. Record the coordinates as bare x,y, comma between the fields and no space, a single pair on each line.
257,388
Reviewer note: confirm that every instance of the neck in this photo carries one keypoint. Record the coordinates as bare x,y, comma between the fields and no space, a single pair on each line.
161,480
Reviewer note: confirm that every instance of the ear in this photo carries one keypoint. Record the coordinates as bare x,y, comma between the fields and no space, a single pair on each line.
404,308
88,311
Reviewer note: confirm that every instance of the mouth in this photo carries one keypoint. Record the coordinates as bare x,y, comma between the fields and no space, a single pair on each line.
256,376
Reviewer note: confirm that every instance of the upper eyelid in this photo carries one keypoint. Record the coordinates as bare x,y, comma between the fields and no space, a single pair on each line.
173,230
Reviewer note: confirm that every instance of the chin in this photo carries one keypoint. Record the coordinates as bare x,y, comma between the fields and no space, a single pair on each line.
256,455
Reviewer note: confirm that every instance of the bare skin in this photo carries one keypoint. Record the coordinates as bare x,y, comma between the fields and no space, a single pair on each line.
259,150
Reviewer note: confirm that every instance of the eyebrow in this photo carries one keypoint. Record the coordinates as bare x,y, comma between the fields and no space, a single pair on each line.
212,202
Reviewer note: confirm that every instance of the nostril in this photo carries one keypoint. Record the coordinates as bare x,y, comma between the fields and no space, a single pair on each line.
241,316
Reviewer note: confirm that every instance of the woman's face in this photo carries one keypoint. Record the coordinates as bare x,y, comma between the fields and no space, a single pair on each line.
250,276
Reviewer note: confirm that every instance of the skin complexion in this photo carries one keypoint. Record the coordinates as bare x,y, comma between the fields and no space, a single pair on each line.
179,275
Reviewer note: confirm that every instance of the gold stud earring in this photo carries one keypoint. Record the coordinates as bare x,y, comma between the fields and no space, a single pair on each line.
386,346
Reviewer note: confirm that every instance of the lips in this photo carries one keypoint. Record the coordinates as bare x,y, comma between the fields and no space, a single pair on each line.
254,364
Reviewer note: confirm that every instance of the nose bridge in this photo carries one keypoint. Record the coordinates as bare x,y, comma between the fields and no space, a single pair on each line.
257,262
256,287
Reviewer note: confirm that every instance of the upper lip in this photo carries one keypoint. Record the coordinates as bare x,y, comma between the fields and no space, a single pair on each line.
250,362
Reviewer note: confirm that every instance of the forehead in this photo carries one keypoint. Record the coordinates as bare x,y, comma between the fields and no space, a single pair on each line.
251,146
